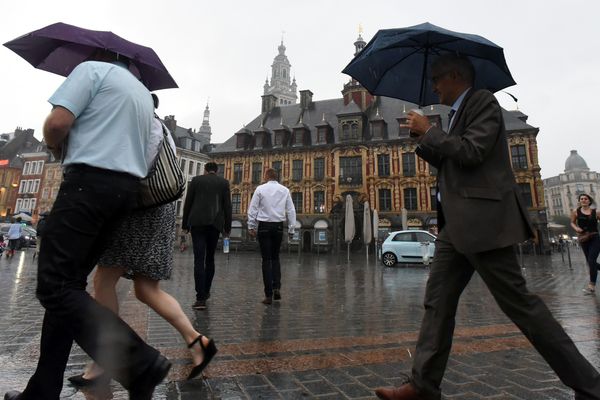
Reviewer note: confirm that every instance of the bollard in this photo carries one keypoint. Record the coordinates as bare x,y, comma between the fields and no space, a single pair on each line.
562,253
569,256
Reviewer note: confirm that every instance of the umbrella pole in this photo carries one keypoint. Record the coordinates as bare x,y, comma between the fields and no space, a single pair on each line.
367,247
423,75
348,247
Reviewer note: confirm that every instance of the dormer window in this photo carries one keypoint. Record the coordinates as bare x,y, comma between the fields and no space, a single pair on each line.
278,139
322,135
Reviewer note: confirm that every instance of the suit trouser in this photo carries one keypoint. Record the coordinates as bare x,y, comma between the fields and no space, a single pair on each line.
87,208
204,240
270,235
499,269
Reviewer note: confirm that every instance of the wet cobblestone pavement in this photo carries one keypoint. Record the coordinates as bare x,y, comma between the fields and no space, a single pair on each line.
339,331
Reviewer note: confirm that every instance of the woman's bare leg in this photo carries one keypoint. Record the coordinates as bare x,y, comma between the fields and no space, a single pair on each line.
149,292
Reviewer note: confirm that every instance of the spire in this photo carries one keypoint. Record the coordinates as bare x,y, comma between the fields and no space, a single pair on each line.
281,84
360,42
205,130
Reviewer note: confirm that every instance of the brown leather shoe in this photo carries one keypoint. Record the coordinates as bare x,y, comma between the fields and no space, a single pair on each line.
267,301
404,392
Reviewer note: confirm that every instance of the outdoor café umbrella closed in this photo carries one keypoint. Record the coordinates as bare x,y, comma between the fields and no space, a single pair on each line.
60,47
367,233
396,62
349,227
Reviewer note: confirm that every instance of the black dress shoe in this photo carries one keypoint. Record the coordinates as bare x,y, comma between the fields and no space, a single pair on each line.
199,305
80,381
12,395
267,301
276,294
143,387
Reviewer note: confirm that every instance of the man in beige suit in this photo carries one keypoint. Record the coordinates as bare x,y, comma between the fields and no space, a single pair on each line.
481,217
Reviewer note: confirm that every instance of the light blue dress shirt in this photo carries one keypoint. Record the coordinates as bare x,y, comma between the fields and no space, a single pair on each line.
114,113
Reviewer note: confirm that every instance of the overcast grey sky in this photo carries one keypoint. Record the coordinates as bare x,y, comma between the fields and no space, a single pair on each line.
223,50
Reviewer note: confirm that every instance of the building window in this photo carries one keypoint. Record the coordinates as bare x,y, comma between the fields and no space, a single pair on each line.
40,167
345,132
297,200
278,138
199,169
519,156
351,170
240,141
376,130
18,205
236,202
182,164
319,169
408,164
433,197
237,173
298,135
190,167
45,193
322,135
354,131
276,165
410,198
385,199
22,186
256,172
49,174
432,170
297,170
26,168
526,194
35,186
319,197
221,170
383,165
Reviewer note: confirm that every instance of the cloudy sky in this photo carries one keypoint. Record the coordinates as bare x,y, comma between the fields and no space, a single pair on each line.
221,52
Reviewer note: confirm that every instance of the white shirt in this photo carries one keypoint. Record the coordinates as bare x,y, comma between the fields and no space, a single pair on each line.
156,137
271,202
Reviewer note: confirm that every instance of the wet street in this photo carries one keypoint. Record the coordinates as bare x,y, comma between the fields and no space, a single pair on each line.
338,332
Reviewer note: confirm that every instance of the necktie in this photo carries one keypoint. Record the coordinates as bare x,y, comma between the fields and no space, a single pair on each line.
450,115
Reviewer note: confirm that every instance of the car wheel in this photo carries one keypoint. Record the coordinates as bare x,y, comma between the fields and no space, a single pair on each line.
389,259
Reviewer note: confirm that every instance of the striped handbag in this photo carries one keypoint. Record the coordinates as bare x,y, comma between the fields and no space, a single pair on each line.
165,181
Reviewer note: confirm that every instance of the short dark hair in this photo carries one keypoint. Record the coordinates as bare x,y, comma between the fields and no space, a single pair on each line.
155,100
452,62
211,167
271,174
590,198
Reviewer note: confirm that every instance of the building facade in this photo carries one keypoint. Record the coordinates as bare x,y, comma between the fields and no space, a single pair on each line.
325,150
561,192
10,176
53,175
32,178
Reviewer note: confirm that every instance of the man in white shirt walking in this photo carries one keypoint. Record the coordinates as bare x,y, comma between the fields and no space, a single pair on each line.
270,204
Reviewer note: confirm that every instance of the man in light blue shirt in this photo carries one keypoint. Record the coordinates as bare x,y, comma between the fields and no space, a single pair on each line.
99,125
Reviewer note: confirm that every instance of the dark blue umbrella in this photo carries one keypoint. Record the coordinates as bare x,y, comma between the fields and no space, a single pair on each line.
396,62
60,47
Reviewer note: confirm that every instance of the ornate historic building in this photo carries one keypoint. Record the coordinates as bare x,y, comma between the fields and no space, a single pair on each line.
354,145
561,191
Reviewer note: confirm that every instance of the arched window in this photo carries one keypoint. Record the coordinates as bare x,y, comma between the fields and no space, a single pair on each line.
284,73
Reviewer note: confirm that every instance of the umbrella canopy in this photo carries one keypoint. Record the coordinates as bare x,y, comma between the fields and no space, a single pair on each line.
375,225
60,47
396,62
367,233
404,219
349,228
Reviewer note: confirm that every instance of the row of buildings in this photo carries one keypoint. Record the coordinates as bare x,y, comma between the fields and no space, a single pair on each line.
323,150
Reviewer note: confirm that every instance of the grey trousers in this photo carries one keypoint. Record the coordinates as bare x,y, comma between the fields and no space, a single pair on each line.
499,269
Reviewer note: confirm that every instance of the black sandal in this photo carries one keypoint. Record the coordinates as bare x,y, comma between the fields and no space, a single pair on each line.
208,351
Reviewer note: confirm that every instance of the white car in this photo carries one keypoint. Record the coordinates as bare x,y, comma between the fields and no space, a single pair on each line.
410,246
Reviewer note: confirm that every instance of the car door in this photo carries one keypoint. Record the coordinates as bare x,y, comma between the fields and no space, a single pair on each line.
422,239
406,247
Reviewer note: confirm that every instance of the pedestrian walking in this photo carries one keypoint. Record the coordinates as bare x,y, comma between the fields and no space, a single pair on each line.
40,230
99,125
14,236
481,217
584,220
271,204
147,263
206,213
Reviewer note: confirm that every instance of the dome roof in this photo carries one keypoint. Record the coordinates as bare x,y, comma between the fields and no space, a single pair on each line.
575,163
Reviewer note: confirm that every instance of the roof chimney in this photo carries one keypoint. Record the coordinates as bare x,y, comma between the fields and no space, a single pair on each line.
269,102
305,98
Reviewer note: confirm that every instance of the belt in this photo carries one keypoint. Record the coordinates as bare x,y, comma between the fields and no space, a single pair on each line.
269,223
88,169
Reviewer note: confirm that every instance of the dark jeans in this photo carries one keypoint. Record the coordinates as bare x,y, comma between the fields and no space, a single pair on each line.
591,249
269,236
88,205
204,239
499,269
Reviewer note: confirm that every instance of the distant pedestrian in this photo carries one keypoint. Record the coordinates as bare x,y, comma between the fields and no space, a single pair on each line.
270,206
40,230
481,218
584,220
15,231
206,213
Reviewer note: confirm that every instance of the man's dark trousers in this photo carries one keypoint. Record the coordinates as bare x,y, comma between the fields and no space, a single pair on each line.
269,236
204,239
499,269
87,208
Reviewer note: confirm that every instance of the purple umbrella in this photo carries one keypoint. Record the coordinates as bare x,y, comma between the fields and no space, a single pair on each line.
60,47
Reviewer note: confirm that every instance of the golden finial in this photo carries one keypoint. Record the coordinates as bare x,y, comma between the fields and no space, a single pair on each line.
360,29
